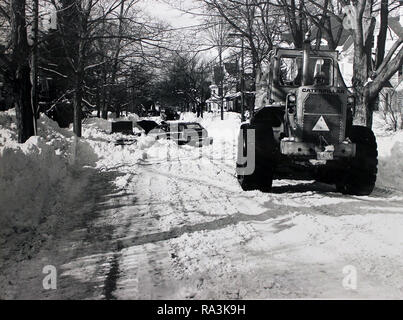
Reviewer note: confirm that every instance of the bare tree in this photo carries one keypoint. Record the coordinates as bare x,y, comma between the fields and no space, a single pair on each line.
259,23
218,35
16,63
370,75
19,70
103,38
367,83
296,20
34,64
391,108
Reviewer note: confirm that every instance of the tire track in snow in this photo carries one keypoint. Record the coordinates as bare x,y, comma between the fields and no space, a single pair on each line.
111,278
168,213
151,260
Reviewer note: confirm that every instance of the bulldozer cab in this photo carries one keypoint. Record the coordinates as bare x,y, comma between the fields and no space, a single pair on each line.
290,72
287,72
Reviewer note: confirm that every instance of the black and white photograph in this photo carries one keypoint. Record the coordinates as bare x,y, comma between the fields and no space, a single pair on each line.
201,150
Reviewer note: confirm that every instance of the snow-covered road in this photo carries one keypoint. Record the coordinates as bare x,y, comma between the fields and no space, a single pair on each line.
176,225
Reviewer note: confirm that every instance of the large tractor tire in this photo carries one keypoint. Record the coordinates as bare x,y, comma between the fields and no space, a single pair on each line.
360,175
262,176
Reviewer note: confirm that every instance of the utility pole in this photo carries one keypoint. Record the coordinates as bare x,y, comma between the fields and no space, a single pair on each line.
221,86
242,81
202,95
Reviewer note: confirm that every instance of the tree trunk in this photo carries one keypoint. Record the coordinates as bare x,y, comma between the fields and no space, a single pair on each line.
362,64
22,102
364,110
221,88
98,103
34,66
380,54
368,80
79,69
115,65
363,113
21,71
104,108
117,109
78,97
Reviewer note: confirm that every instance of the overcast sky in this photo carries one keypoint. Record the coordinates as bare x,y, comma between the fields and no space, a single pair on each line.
165,12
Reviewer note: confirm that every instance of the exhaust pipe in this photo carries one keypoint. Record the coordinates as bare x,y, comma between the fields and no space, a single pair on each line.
305,66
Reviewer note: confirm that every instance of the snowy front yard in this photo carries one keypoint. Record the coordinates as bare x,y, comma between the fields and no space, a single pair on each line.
156,221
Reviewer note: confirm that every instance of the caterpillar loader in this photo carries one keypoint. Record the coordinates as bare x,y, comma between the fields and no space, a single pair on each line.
305,130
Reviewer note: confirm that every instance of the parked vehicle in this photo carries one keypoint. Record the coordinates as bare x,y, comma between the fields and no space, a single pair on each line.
125,127
191,133
147,125
153,113
169,114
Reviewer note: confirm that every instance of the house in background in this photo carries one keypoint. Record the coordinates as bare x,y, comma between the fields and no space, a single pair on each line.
231,99
231,90
229,93
213,103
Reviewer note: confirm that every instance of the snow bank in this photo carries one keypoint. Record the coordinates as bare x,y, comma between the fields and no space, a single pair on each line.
34,174
105,126
224,134
28,172
129,117
44,183
390,154
96,133
223,131
101,124
390,167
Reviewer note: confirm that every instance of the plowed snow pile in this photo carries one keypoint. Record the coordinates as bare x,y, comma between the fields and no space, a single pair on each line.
40,177
390,155
34,175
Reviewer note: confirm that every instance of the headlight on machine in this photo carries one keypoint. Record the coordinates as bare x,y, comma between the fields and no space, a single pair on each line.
292,98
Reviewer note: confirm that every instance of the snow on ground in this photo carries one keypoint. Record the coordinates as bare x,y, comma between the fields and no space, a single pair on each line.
31,172
162,221
42,179
390,155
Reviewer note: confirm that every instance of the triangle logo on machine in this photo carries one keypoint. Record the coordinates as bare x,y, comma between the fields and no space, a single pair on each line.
321,125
